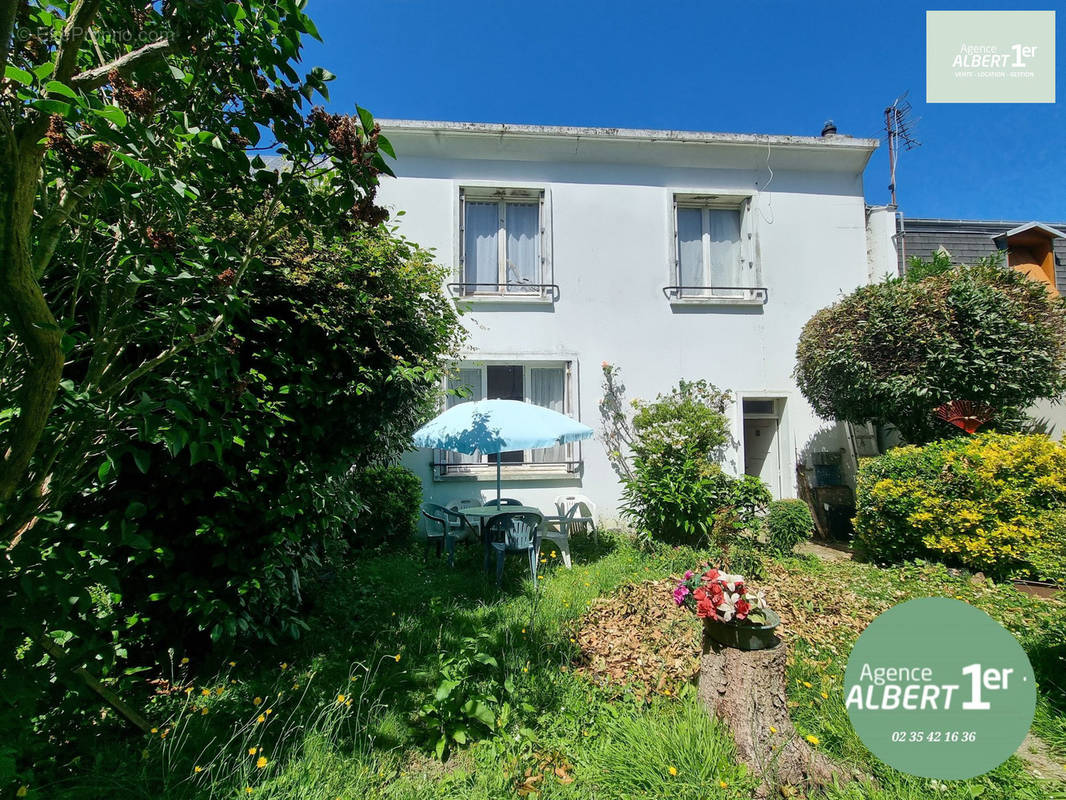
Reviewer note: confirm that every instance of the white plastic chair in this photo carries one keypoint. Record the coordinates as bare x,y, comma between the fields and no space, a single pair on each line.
585,518
560,538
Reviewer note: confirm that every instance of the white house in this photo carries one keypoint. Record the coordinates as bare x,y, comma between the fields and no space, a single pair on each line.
670,254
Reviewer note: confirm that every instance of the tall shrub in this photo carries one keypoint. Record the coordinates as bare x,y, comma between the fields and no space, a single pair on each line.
893,352
990,502
668,455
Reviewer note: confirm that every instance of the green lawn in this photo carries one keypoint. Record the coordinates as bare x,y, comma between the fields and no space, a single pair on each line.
340,710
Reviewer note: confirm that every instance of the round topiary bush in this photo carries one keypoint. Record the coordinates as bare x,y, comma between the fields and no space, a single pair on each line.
990,502
788,523
893,352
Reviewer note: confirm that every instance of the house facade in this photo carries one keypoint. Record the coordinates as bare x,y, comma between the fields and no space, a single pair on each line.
668,254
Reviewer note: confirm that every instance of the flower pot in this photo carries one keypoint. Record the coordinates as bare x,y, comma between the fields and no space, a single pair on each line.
744,635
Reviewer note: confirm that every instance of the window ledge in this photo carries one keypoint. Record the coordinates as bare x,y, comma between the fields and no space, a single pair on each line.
753,296
492,299
717,301
486,473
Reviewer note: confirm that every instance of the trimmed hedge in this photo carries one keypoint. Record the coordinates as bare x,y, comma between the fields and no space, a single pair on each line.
990,502
392,497
788,523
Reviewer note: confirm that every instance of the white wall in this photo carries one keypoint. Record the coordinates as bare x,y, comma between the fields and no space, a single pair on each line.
611,238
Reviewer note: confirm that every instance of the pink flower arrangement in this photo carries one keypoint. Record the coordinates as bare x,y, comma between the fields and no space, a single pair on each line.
720,596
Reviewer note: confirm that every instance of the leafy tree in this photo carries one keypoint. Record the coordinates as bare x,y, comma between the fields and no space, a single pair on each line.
120,125
135,219
893,352
229,493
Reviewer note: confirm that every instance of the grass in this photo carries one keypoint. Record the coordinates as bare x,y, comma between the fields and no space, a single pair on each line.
347,703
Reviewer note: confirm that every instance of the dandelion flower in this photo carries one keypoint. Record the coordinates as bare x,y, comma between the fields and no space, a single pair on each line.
523,630
672,770
284,665
269,711
553,554
773,729
23,791
397,657
185,661
261,718
203,712
825,696
188,690
257,701
205,692
251,751
261,762
525,669
805,683
812,739
341,698
197,769
723,784
155,730
247,789
220,690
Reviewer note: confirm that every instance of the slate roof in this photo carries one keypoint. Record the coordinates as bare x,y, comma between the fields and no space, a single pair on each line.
966,240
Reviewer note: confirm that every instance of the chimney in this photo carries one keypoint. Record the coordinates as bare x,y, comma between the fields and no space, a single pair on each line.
829,129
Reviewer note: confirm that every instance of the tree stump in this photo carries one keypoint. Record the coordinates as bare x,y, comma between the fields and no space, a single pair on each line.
746,690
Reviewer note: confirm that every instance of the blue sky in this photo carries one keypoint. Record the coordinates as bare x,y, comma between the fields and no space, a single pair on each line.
749,67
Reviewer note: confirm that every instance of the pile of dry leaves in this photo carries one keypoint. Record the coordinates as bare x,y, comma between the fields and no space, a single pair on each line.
640,640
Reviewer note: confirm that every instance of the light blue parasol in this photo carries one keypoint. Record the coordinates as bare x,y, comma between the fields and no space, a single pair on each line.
498,426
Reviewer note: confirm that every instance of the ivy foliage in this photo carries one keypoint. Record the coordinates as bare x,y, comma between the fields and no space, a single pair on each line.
991,502
893,352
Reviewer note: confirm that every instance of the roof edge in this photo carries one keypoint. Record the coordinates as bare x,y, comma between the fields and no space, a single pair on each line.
627,134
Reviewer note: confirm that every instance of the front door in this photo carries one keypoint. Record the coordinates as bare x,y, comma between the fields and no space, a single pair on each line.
762,452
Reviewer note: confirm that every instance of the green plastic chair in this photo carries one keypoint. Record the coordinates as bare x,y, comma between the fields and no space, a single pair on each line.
444,527
515,532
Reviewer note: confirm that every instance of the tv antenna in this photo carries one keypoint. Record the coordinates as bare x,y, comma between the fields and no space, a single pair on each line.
899,128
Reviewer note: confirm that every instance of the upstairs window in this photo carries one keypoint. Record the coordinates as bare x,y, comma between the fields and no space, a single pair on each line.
713,256
501,242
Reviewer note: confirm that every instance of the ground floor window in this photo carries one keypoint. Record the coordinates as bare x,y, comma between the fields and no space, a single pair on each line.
543,383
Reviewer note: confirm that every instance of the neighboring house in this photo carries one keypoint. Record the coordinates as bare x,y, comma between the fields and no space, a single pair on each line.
669,254
1035,248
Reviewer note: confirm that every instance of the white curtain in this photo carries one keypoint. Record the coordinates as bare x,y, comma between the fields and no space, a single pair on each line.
690,249
546,388
523,245
727,267
469,380
481,252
